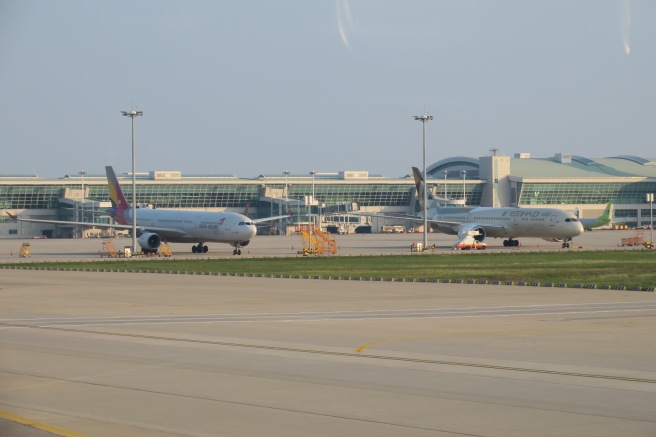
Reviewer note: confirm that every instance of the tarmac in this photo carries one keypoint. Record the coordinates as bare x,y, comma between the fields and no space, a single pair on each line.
107,354
289,245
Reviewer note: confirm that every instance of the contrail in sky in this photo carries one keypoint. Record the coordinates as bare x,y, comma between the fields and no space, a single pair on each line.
625,23
344,21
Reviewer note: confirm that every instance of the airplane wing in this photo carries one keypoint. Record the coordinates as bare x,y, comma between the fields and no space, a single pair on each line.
163,232
268,219
62,222
454,226
459,227
418,219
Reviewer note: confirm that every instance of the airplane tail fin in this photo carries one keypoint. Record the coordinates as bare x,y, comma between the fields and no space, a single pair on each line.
420,186
119,203
604,219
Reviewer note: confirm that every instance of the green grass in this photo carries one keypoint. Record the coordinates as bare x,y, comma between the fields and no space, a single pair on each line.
614,268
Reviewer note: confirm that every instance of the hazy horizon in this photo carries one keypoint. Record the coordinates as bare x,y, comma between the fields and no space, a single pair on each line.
262,87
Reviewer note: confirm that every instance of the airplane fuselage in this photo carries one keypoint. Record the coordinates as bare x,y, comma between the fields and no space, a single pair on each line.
510,222
195,226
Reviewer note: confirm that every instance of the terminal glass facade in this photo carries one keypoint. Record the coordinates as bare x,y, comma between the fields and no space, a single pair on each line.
185,195
29,196
231,195
454,191
196,196
363,194
559,193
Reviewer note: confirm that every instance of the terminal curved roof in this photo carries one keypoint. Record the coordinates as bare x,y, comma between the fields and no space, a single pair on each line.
583,167
454,164
544,168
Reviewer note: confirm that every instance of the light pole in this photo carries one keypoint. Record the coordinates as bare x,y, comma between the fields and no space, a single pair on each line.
424,118
286,187
82,173
132,115
464,188
650,199
286,194
312,173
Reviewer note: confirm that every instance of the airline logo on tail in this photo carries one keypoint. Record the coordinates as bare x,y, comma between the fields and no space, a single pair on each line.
116,196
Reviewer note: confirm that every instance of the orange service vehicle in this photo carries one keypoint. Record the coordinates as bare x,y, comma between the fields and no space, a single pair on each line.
469,246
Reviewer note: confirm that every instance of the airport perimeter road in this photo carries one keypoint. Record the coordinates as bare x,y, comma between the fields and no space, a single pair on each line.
109,354
263,246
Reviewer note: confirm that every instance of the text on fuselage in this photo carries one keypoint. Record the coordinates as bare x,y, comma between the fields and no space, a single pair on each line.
523,214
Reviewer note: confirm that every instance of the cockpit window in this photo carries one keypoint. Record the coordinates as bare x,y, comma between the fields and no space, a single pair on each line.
571,220
245,223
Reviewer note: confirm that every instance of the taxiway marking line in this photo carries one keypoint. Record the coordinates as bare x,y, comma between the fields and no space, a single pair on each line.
452,313
363,347
641,305
39,425
360,356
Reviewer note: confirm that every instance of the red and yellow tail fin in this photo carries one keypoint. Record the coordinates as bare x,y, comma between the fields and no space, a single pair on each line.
116,196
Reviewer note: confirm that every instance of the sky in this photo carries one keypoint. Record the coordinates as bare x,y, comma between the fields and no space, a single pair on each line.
263,87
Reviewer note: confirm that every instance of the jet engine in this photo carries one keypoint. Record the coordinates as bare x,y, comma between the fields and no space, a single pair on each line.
476,232
149,241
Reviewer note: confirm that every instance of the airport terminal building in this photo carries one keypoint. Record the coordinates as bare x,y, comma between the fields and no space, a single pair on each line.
563,181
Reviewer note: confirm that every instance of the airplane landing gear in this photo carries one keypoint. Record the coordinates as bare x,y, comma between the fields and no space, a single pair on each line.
510,243
566,243
200,248
236,252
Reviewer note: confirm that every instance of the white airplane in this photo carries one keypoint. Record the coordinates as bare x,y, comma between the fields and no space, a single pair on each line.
176,226
550,224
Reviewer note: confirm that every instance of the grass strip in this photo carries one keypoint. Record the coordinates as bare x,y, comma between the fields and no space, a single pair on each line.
613,268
